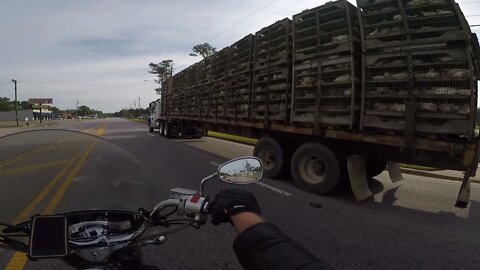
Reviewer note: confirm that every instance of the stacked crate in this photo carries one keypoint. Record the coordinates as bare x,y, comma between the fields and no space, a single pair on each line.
165,99
189,103
418,69
178,93
272,73
240,61
327,67
218,84
204,77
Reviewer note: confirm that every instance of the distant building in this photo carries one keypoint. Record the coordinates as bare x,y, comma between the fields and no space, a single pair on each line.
23,115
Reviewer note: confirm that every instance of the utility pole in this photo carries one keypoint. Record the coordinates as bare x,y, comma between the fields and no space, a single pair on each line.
139,103
40,113
134,104
16,110
76,110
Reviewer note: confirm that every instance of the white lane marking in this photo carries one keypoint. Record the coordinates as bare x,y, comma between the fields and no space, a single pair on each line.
274,189
443,181
150,134
214,163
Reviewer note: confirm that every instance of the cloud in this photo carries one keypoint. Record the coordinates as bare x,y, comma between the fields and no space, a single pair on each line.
98,51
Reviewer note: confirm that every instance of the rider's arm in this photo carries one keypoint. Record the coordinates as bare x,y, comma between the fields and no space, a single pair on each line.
262,245
244,220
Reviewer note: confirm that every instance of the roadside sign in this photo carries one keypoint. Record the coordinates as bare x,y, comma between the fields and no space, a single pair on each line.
35,106
41,100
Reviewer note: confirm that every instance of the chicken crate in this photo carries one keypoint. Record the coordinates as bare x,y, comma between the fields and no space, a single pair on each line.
190,90
204,73
166,106
219,65
217,99
273,45
441,83
202,99
238,97
328,31
240,56
178,90
404,23
271,96
327,93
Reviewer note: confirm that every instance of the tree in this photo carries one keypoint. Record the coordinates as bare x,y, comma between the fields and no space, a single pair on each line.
25,105
205,50
162,70
6,104
83,110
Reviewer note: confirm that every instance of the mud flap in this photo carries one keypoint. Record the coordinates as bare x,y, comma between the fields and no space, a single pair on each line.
394,172
357,171
464,195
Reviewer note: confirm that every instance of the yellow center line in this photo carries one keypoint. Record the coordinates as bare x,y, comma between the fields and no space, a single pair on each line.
25,155
31,153
35,167
63,188
19,259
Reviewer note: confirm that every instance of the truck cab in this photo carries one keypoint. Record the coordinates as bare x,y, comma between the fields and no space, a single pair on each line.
153,120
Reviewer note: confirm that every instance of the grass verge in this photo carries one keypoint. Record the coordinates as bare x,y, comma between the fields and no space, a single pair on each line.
24,124
233,138
143,121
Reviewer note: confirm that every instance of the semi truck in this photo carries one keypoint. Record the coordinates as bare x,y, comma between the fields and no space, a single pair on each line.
340,93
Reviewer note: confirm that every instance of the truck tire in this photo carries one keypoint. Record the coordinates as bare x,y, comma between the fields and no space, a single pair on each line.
166,130
315,168
151,129
273,156
161,128
375,167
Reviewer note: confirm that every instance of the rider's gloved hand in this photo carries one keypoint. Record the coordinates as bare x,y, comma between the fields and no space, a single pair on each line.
231,202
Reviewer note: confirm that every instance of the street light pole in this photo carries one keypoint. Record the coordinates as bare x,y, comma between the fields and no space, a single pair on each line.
16,110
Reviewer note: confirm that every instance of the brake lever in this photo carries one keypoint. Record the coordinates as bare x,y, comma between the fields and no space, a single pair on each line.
22,227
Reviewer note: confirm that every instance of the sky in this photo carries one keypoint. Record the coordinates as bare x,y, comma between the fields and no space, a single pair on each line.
97,51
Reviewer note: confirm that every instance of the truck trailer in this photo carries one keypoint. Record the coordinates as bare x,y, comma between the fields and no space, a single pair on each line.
339,92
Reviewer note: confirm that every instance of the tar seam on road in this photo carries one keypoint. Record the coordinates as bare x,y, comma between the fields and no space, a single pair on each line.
19,259
150,134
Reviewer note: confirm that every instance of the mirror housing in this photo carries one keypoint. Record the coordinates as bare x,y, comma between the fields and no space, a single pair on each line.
241,171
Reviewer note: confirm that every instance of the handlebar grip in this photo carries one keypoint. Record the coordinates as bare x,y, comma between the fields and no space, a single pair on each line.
195,205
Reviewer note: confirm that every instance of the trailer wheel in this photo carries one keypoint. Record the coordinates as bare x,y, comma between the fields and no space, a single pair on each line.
315,168
375,167
273,157
166,130
161,128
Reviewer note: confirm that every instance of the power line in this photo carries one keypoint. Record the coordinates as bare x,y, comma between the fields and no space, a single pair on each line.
80,84
182,60
239,21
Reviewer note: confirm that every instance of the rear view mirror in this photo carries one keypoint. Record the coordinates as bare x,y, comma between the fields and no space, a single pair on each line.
243,170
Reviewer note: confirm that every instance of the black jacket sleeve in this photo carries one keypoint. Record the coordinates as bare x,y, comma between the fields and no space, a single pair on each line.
265,246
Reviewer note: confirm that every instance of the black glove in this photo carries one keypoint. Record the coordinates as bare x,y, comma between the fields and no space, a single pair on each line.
231,202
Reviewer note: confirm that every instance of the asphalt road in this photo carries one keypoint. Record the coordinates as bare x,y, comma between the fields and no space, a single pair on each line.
411,224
